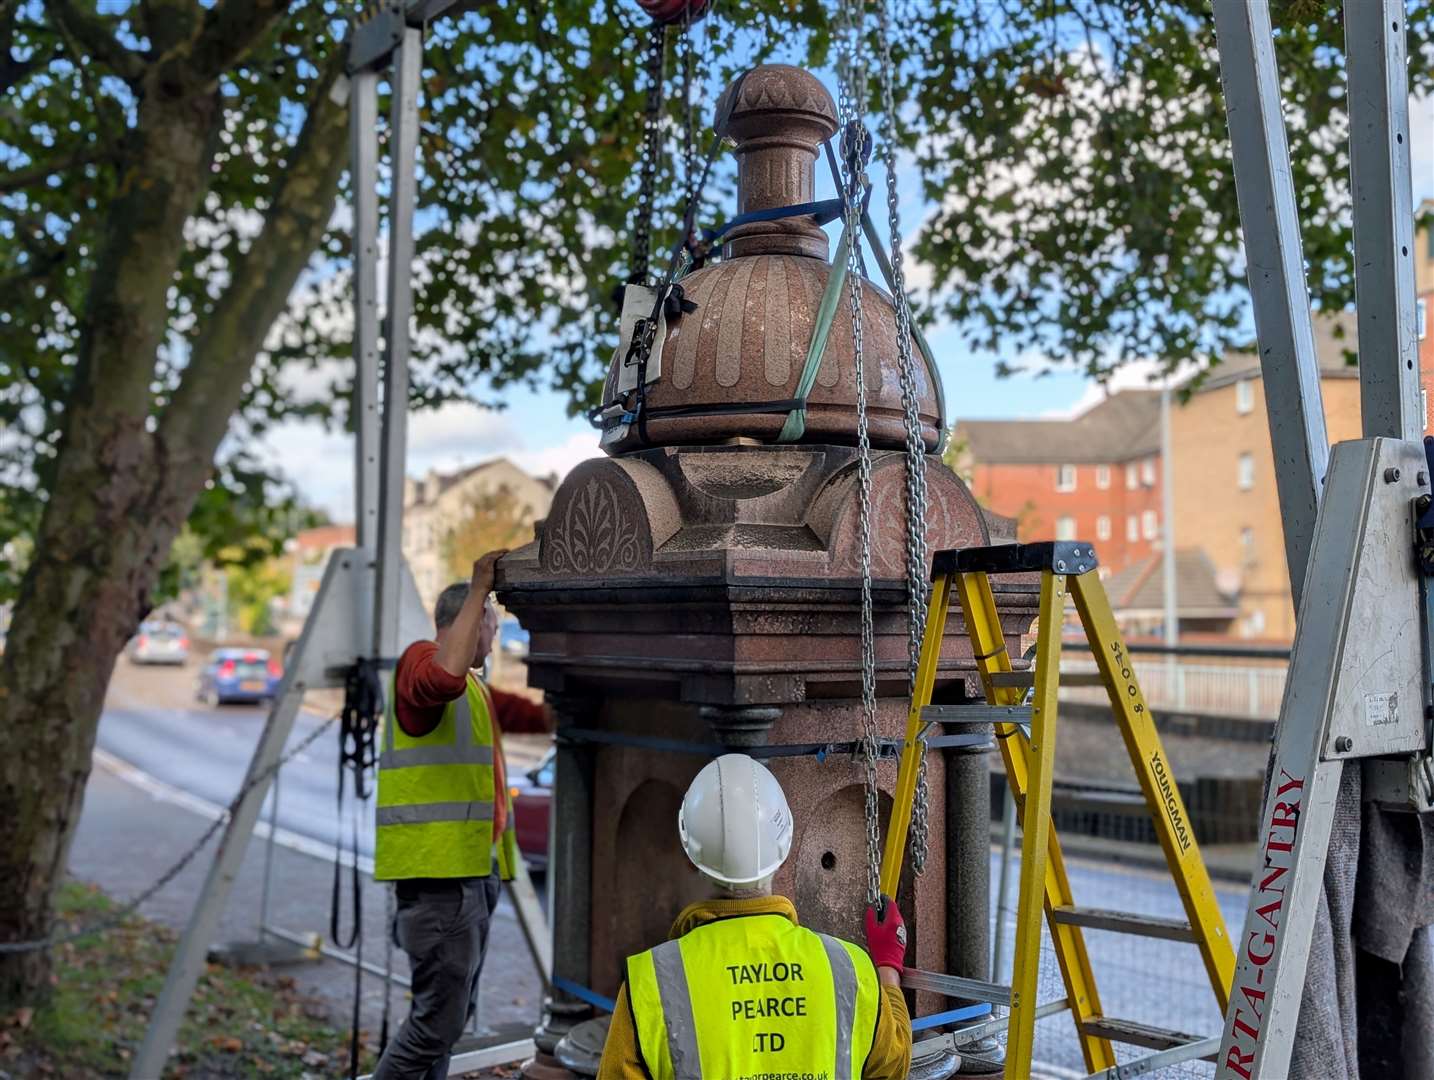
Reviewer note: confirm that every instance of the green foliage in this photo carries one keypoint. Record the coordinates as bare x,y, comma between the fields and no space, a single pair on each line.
491,520
1079,154
1076,151
958,454
253,588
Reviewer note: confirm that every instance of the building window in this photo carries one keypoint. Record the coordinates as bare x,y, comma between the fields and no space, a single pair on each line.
1132,477
1419,318
1065,528
1245,396
1147,472
1102,527
1102,476
1255,623
1424,405
1150,523
1065,477
1246,474
1247,545
1132,528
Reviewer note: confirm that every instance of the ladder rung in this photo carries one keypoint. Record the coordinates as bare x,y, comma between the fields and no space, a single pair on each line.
1025,680
1124,922
956,986
1134,1033
976,712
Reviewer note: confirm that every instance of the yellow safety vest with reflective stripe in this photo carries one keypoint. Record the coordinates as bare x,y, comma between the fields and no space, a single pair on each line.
754,996
435,796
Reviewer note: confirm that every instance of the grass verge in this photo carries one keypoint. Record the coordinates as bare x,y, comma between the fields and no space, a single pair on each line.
241,1023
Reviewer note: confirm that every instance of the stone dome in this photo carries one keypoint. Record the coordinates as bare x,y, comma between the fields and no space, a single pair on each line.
747,341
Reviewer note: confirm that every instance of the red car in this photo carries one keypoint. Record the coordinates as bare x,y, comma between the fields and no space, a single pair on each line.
532,794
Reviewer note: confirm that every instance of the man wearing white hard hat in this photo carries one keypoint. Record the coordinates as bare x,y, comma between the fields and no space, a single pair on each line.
741,989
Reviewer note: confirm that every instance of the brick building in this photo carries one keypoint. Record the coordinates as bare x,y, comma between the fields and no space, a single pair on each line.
1095,476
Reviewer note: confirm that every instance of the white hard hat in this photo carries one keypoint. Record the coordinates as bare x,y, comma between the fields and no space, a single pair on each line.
734,822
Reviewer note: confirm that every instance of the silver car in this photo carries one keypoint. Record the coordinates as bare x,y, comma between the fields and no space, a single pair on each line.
159,643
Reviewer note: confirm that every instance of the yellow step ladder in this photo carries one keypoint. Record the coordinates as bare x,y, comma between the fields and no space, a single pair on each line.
1066,569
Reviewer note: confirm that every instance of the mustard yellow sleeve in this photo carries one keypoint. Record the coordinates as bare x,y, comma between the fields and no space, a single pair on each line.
620,1057
890,1057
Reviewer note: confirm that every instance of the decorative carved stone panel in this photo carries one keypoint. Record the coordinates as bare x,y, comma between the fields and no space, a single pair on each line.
603,520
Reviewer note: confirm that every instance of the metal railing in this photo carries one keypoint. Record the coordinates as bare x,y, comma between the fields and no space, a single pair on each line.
1234,689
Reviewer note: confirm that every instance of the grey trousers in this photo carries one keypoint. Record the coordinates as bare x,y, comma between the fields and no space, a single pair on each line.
444,930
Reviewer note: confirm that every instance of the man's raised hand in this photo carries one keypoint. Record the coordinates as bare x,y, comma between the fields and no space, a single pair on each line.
484,568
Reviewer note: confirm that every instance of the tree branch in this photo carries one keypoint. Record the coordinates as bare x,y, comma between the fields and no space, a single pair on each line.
260,282
231,29
96,34
18,179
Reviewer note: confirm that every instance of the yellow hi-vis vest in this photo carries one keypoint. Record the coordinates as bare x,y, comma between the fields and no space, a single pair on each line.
754,996
435,796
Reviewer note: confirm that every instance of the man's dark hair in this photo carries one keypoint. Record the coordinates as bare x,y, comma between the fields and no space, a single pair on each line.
450,603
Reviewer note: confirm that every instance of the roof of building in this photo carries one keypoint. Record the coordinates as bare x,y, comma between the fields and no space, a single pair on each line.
325,537
1125,425
1140,587
442,482
1335,335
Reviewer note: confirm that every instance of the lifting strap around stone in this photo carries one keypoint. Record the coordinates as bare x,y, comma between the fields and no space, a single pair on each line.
796,424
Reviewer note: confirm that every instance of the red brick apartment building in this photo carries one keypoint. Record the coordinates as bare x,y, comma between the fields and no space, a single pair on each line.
1094,476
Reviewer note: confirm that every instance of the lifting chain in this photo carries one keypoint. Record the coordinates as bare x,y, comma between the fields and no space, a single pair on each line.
651,152
851,111
686,52
916,565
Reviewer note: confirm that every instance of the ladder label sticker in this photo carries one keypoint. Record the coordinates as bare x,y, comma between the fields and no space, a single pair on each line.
1242,1038
1170,801
1381,708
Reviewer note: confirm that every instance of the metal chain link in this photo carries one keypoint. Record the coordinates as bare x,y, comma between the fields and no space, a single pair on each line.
689,107
916,554
116,919
651,152
851,110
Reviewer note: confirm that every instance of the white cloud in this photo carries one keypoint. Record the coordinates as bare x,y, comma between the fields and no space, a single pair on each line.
320,463
559,458
1135,375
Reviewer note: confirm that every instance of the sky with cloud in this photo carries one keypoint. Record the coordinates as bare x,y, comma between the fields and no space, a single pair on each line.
533,430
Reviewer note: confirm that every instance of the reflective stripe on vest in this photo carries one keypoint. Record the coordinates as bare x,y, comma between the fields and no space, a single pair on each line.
754,995
436,795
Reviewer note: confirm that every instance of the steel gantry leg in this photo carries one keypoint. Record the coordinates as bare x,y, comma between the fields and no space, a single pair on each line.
1278,293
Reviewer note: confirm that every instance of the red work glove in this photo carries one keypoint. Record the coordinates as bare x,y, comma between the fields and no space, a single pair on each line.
886,935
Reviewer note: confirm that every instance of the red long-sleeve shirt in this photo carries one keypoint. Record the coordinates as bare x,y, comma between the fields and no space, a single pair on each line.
423,689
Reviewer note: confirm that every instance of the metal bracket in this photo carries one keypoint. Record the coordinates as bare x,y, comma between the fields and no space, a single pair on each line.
1367,629
637,305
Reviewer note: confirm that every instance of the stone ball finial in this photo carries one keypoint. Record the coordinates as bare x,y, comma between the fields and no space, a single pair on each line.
781,117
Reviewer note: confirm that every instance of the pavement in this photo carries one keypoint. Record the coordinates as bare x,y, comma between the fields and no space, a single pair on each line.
163,767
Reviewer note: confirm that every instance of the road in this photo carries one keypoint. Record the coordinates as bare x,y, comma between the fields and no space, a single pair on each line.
152,724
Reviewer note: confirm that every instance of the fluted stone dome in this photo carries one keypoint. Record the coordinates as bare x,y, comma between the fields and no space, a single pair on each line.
756,309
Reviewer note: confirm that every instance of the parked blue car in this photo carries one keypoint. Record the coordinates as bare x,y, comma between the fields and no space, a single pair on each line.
248,676
512,638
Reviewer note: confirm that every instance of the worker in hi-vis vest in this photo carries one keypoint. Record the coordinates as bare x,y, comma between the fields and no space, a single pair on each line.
741,989
444,833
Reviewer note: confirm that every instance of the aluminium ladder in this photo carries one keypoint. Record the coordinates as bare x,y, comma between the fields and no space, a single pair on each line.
1067,569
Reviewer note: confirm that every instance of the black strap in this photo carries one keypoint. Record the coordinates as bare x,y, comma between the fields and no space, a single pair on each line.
358,754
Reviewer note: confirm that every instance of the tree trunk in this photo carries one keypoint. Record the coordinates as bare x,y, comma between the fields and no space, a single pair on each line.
123,485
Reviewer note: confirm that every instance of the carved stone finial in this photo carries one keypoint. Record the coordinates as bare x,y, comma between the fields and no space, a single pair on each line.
782,115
